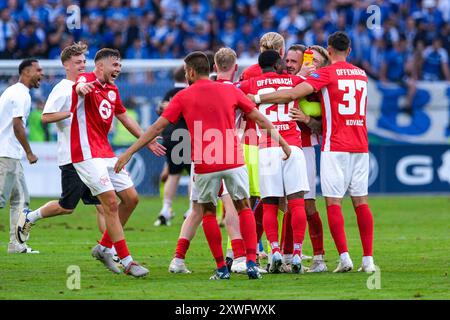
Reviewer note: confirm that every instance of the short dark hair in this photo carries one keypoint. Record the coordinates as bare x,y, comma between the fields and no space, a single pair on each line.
297,47
210,55
106,53
198,61
178,75
339,41
268,58
26,63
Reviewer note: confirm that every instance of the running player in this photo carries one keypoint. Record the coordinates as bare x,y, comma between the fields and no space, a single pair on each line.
344,159
57,110
277,178
209,110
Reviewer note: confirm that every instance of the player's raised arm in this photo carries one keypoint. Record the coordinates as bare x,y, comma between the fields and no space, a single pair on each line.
151,133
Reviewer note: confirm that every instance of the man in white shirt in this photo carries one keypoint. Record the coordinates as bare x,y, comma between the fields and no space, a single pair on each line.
57,110
15,104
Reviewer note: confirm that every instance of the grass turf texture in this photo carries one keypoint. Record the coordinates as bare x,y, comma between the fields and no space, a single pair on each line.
412,241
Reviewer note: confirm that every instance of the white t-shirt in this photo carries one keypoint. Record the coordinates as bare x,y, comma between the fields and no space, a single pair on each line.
60,100
15,102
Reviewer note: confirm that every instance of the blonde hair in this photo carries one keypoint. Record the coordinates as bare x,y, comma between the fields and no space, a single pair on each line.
74,50
324,53
271,41
225,59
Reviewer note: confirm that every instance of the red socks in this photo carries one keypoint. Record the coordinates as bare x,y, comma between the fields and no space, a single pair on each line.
248,231
214,238
106,240
121,249
365,225
316,233
336,223
271,225
182,248
238,247
287,240
297,209
259,220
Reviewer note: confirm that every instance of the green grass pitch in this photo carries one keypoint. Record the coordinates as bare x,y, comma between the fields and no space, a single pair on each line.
412,250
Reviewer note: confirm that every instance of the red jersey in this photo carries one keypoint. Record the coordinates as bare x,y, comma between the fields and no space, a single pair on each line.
343,94
209,110
250,126
278,114
92,118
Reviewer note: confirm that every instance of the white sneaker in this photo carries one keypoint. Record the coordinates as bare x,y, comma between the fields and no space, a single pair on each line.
276,262
23,227
345,265
20,248
178,266
367,265
239,265
318,264
296,264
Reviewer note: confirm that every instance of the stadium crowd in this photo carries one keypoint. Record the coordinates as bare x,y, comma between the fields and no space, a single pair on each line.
413,40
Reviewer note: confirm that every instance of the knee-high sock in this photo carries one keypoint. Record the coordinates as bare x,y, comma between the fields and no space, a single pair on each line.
287,241
271,225
182,248
316,233
259,220
214,238
297,209
336,223
238,247
365,225
248,232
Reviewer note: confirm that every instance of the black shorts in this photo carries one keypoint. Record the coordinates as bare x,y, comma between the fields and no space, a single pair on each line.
175,168
73,189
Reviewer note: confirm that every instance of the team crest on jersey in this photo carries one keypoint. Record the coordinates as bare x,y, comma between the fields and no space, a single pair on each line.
82,79
112,95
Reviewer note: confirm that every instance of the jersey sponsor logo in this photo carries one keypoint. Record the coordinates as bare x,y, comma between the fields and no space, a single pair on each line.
112,95
105,109
314,75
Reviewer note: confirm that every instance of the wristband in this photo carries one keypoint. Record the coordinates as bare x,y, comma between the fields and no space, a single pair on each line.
257,99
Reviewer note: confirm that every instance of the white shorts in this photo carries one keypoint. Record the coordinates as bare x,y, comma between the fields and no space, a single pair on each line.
278,177
235,181
310,157
342,171
194,191
98,174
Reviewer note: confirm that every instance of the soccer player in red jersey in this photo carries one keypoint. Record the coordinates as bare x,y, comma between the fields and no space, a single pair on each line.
95,100
280,178
344,162
294,59
209,110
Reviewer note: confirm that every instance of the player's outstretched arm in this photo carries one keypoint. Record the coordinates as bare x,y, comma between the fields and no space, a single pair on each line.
151,133
84,88
135,129
284,96
55,116
265,124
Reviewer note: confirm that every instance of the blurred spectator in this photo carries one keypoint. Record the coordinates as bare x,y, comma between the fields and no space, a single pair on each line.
137,51
8,28
435,62
373,57
397,68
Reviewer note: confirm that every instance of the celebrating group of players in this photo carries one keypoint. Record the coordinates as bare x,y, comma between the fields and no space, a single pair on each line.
270,168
